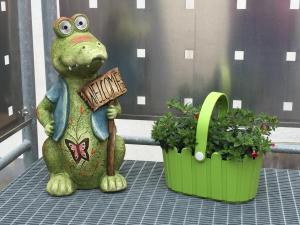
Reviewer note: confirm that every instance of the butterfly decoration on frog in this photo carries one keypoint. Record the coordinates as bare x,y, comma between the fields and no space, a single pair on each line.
79,151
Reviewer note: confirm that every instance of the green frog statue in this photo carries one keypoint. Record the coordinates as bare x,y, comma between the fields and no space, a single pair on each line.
75,151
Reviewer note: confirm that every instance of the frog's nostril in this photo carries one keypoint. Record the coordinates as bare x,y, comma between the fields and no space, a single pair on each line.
83,47
98,43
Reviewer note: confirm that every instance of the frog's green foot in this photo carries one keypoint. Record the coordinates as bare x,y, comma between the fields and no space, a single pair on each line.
113,183
60,184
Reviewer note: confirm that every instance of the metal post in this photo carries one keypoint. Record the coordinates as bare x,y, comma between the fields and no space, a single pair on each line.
28,84
15,153
288,148
49,9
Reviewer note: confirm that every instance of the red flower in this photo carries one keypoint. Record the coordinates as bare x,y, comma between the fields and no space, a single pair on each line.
81,109
254,154
272,145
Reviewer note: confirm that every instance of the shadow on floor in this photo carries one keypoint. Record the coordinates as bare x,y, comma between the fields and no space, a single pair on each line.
282,161
10,172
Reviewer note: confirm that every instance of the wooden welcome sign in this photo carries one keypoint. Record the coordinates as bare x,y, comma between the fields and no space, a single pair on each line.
103,89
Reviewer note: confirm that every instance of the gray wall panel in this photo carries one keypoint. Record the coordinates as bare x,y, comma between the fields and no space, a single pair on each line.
215,29
10,76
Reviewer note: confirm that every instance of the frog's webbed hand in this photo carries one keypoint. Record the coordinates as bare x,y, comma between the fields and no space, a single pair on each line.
49,128
44,113
114,110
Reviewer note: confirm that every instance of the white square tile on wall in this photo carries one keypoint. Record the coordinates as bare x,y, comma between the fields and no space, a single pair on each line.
6,60
294,4
188,54
93,4
188,101
10,110
3,6
237,104
141,53
287,106
189,4
239,55
291,56
141,100
241,4
140,4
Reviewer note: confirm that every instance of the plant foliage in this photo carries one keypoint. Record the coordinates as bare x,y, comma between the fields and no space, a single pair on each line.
235,135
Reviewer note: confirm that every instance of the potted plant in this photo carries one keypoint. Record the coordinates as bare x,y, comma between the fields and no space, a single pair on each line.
213,157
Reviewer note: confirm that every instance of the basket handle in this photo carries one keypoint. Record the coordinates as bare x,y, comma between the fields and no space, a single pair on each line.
212,100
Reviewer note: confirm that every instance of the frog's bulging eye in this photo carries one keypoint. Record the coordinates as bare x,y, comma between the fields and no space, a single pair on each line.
81,23
65,27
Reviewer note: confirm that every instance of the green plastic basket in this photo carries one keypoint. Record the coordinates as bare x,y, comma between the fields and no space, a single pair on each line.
214,178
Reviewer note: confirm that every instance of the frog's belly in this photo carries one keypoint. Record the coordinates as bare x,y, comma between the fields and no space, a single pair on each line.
84,154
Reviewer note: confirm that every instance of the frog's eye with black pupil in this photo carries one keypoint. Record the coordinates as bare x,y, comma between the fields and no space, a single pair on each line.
81,23
65,27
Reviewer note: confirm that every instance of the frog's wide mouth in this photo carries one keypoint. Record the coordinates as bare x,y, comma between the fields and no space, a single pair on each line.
96,61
